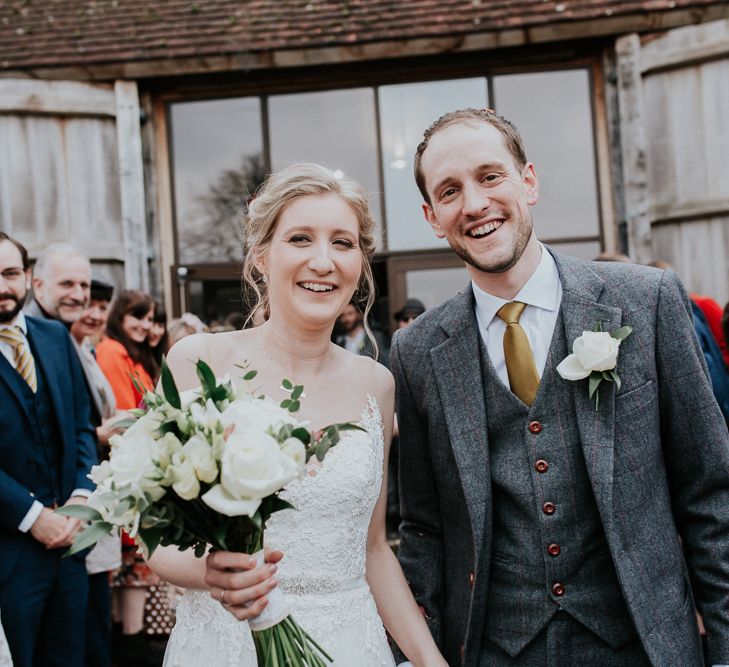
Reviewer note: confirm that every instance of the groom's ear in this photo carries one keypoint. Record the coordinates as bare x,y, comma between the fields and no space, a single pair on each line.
432,220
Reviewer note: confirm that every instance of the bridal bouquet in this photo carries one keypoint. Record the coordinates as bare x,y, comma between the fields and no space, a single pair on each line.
202,469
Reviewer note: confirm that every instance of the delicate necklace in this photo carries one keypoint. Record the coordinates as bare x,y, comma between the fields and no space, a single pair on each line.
307,392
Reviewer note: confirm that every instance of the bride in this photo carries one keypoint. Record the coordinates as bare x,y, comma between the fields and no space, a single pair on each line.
309,237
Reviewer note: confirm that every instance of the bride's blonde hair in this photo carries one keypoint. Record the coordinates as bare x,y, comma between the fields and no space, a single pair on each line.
263,213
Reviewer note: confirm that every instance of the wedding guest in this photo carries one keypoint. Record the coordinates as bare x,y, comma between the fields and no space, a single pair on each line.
158,336
61,284
355,339
186,325
412,309
128,363
47,449
718,372
106,555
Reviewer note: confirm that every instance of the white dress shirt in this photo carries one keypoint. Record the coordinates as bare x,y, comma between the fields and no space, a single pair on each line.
543,295
7,351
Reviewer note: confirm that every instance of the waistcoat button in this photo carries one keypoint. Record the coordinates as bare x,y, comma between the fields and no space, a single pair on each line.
549,508
553,549
535,427
557,589
541,466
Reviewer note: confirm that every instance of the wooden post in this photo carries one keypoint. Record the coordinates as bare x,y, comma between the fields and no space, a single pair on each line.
131,185
634,148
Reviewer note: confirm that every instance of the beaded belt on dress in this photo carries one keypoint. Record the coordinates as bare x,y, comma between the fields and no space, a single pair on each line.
307,583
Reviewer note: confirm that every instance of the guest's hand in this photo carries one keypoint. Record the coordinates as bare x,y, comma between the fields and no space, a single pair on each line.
108,427
54,530
234,580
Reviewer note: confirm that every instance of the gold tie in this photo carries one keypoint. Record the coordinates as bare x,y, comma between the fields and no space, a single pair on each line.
22,358
520,366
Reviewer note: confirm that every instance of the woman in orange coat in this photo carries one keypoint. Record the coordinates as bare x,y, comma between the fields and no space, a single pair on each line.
128,363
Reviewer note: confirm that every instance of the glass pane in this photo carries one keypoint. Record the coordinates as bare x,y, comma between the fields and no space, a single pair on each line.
433,286
214,301
553,113
406,110
217,162
335,128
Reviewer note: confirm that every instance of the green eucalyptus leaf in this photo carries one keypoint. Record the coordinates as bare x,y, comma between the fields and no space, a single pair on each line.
595,380
200,549
90,536
286,384
207,378
285,403
169,388
294,406
622,333
83,512
296,393
250,375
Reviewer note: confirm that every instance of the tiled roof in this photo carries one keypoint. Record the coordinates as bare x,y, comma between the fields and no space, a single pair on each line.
48,33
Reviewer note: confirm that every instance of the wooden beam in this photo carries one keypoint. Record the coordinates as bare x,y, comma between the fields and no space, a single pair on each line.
131,185
165,224
634,145
26,96
690,211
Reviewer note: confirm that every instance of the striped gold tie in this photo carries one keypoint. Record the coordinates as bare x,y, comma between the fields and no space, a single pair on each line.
22,358
520,366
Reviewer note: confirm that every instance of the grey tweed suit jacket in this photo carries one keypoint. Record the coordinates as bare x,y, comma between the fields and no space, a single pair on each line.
656,452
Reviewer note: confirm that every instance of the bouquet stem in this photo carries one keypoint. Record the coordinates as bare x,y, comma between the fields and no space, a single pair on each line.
288,645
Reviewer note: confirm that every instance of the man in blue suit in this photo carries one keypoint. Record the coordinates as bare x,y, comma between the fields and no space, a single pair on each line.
46,452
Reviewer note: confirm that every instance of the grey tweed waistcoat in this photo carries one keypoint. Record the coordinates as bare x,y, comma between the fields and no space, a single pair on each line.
549,551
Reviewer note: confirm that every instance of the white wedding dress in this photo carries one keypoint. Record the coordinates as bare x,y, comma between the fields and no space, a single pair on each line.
323,570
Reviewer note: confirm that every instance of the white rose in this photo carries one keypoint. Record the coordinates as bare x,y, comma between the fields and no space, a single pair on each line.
200,454
188,397
251,468
100,472
249,414
295,450
592,351
184,479
132,463
146,425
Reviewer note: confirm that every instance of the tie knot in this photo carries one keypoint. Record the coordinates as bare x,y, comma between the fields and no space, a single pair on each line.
511,312
13,336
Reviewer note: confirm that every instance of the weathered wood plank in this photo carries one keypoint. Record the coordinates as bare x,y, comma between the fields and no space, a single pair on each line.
56,97
698,251
690,45
131,185
634,147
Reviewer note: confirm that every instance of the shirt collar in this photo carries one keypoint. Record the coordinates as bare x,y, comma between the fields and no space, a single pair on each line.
542,290
18,322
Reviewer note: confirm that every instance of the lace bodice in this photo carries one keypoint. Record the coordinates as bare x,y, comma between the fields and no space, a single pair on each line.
324,538
324,542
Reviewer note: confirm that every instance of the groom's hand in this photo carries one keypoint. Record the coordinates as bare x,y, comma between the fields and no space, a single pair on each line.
234,580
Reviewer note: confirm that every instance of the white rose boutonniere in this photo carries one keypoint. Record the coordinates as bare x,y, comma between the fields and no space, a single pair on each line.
594,355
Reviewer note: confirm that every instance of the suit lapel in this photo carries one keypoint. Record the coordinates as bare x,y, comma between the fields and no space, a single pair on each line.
457,367
45,354
15,383
581,311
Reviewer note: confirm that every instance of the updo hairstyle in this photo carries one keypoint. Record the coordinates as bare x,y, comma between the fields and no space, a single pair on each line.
273,196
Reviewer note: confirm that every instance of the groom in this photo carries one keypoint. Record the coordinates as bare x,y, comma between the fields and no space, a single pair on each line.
539,528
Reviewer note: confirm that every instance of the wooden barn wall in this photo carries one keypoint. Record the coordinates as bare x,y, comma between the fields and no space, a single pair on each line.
59,170
686,100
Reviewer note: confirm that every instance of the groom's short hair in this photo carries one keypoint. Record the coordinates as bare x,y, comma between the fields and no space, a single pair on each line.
514,143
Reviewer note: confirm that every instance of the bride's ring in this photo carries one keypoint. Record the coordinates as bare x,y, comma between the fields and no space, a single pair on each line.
222,596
